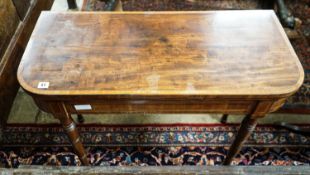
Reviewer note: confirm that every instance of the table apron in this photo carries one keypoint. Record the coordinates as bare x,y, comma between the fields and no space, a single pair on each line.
149,107
232,106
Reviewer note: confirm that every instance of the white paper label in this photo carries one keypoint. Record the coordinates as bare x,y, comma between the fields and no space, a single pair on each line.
82,107
43,85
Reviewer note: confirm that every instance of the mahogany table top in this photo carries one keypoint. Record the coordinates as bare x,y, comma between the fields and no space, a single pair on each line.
160,53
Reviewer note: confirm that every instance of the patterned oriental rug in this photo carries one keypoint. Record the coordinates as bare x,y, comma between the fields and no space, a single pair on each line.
300,102
151,145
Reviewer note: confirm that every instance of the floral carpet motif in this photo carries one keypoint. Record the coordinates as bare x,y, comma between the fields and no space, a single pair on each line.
151,145
299,102
150,135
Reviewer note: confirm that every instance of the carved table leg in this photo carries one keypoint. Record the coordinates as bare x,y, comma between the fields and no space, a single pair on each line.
69,126
247,126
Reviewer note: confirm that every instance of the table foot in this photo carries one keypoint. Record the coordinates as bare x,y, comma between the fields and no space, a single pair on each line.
247,126
69,126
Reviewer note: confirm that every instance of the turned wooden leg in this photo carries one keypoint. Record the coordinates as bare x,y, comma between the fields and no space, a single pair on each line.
69,126
224,118
247,126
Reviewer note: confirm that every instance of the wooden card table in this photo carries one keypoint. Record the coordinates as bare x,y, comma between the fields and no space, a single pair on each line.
232,62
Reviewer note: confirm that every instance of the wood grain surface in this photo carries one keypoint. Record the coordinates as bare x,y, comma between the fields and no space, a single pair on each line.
160,53
9,21
14,52
160,62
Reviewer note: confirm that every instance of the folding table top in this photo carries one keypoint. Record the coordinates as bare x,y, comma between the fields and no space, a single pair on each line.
160,53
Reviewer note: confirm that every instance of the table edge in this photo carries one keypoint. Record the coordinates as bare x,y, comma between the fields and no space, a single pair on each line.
289,91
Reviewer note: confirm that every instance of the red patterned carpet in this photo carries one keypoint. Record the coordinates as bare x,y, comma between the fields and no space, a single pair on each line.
300,102
151,145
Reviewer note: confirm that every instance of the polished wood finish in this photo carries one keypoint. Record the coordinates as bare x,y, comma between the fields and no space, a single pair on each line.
22,7
197,53
69,126
247,126
232,62
13,54
9,21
